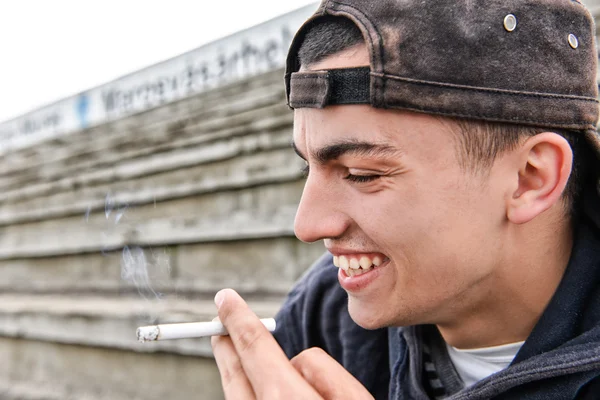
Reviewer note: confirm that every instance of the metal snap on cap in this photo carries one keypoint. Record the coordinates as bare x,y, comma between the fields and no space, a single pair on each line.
510,22
573,41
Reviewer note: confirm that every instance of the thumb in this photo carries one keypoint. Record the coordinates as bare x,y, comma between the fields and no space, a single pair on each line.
328,377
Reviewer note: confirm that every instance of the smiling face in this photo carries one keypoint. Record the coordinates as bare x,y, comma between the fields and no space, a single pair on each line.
386,185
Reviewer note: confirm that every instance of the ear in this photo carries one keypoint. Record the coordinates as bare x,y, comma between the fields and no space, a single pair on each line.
544,168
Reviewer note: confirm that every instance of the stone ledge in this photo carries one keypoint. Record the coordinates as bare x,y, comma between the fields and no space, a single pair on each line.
98,158
21,242
35,370
153,164
253,267
275,167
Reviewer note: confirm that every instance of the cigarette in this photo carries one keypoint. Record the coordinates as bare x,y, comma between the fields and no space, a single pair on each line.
189,330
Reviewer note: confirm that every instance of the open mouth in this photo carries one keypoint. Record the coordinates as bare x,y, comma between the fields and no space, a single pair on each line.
358,264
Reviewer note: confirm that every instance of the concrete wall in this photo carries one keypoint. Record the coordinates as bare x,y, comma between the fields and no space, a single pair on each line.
201,193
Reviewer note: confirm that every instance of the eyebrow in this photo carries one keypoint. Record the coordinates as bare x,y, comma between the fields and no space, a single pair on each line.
336,150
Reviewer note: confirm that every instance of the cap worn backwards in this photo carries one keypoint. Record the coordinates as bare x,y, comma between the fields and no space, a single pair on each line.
529,62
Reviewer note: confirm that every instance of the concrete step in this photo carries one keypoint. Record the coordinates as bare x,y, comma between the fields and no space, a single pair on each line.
41,370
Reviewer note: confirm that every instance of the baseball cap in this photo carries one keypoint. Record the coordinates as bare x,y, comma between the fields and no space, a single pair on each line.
528,62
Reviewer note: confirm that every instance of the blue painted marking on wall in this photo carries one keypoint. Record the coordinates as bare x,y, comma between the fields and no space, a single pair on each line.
82,110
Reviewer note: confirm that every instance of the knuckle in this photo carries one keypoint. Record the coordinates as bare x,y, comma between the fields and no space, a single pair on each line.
309,356
314,352
307,360
233,371
248,337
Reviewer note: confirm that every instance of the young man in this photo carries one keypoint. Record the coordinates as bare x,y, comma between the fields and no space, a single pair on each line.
452,173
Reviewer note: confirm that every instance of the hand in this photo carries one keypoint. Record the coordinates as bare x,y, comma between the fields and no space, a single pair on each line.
253,366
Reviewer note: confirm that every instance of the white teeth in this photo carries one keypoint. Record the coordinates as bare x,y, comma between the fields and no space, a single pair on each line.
344,264
354,272
365,262
354,266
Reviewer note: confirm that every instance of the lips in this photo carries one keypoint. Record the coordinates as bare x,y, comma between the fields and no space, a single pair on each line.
358,270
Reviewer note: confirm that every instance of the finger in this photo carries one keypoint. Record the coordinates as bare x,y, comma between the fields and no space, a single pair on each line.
233,378
328,377
269,371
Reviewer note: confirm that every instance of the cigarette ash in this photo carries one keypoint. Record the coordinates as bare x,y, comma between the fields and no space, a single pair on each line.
147,333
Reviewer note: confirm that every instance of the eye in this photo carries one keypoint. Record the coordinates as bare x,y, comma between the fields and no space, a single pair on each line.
362,178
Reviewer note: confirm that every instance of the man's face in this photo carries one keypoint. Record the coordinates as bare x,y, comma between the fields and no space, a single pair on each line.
385,186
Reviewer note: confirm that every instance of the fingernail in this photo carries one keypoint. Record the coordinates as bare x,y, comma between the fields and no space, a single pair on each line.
219,298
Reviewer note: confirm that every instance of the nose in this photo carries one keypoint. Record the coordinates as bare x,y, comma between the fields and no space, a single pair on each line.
319,214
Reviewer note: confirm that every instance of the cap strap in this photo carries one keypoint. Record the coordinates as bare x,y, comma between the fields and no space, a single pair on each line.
317,89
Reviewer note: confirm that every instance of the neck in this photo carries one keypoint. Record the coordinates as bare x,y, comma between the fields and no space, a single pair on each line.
505,307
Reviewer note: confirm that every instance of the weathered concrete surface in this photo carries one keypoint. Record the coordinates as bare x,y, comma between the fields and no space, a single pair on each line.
195,270
174,203
51,371
165,179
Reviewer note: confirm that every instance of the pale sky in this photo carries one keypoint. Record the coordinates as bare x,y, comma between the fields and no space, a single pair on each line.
50,50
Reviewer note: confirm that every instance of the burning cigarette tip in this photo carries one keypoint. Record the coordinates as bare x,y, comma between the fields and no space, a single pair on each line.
147,333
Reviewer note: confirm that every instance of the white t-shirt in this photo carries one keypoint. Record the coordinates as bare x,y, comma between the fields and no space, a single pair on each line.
475,364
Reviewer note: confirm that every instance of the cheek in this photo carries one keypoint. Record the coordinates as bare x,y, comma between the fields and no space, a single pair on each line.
441,242
405,218
438,227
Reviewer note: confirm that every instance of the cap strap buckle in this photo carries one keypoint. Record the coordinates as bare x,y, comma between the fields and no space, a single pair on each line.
318,89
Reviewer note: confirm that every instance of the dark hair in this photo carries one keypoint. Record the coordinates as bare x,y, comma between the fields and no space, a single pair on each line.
328,36
479,142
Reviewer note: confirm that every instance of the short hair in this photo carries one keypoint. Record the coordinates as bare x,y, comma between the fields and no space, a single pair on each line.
479,143
330,35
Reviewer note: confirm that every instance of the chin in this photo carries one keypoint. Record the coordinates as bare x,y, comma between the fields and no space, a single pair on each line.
376,315
366,316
